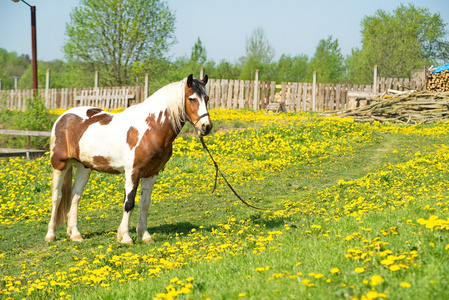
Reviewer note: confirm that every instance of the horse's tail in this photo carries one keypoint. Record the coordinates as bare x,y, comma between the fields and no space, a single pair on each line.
66,200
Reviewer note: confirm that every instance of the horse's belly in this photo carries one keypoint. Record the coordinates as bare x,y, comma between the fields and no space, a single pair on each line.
103,149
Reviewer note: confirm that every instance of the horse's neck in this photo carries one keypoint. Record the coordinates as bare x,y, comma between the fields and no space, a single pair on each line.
157,116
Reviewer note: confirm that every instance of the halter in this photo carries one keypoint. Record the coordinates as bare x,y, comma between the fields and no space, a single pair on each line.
199,118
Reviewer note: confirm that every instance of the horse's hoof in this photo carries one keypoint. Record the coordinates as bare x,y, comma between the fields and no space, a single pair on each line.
127,241
77,238
148,240
50,238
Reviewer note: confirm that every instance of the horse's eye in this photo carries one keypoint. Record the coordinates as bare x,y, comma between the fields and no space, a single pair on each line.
191,99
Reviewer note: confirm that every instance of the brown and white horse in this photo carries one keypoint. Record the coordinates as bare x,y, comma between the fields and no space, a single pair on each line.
137,142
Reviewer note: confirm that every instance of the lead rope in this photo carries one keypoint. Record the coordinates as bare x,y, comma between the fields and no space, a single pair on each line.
218,171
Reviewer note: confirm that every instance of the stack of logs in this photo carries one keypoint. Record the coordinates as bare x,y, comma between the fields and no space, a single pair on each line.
438,82
404,107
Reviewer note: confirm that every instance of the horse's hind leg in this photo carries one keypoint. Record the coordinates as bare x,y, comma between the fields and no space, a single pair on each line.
82,177
146,188
57,193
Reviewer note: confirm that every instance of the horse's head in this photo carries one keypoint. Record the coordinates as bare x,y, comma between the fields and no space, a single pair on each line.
196,105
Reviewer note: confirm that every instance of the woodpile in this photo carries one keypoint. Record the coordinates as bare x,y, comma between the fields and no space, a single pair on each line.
402,107
438,82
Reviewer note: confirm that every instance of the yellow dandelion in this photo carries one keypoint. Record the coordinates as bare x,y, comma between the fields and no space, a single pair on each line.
376,280
394,268
335,270
372,295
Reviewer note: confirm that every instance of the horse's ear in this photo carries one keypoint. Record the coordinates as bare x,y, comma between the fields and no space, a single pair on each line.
204,80
190,80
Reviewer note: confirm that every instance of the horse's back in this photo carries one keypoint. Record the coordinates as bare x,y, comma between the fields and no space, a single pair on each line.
68,131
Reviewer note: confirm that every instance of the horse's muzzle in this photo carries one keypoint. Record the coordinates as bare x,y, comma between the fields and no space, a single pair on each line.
205,129
202,125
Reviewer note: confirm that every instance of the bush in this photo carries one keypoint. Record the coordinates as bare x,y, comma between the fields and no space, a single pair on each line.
34,118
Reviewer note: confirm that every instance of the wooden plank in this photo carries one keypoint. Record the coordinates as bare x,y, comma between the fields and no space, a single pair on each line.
283,91
21,152
24,132
382,85
388,83
298,96
320,97
289,97
305,89
271,91
332,97
217,86
230,93
262,90
246,95
327,90
361,94
212,93
215,93
338,98
252,91
294,95
344,95
395,83
224,92
235,97
241,102
405,83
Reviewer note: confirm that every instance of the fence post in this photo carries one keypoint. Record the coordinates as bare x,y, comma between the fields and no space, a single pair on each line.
375,87
47,87
201,73
16,79
96,79
0,84
256,91
145,91
314,91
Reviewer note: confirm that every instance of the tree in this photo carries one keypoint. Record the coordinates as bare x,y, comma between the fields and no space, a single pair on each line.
12,65
183,65
292,69
198,60
226,70
259,54
408,38
198,54
120,38
327,61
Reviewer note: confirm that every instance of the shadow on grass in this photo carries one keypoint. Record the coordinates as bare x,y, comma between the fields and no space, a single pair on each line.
165,232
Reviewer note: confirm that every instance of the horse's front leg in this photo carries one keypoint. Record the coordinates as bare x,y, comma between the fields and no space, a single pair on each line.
145,200
82,178
128,205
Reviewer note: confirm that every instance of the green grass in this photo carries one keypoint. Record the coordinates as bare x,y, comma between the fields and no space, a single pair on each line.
354,194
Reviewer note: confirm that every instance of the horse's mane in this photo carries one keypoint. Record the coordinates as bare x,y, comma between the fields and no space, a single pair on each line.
172,96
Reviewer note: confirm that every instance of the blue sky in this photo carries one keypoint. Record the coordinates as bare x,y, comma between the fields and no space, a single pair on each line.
291,26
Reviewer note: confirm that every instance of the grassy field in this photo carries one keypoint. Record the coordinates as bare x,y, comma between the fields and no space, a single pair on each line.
357,211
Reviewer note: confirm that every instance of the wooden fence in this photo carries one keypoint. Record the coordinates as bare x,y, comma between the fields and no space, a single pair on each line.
400,84
28,153
239,93
71,97
296,96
